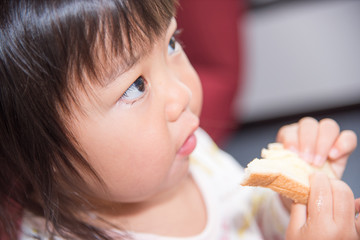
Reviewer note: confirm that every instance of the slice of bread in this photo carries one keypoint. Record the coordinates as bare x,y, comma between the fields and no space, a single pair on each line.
282,171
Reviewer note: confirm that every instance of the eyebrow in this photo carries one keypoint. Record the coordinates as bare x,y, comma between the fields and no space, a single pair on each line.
119,70
119,67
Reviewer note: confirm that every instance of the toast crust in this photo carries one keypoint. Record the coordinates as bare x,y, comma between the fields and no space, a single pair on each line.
284,172
281,184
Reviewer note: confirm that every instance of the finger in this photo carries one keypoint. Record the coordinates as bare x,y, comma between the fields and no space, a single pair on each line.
320,199
357,205
308,131
288,135
338,166
343,203
298,216
327,134
357,218
344,145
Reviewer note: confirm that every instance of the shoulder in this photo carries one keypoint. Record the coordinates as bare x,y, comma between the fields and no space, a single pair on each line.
34,227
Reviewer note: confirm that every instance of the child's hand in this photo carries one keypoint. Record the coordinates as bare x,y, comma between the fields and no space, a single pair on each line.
330,213
357,207
317,141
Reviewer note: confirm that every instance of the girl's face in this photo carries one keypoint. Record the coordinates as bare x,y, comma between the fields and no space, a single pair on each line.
137,131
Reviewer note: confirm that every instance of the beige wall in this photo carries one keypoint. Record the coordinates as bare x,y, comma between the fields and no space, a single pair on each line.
301,56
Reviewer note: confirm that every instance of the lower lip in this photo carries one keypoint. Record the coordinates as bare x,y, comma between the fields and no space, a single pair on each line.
188,146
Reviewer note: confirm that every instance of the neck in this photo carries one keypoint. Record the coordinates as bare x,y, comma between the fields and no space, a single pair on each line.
119,214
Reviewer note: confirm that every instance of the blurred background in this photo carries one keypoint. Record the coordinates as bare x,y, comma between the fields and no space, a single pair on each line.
302,59
301,56
294,58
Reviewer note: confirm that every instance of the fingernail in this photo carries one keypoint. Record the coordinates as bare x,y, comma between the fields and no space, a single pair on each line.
319,160
307,156
334,153
293,149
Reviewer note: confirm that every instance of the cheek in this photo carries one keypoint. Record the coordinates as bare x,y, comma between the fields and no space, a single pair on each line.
197,97
133,158
137,174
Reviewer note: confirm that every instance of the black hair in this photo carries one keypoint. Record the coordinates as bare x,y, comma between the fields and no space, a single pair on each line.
46,48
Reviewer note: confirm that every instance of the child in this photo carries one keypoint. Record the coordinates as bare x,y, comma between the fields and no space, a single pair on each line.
99,114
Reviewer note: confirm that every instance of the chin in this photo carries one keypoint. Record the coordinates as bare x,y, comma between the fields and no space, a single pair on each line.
179,172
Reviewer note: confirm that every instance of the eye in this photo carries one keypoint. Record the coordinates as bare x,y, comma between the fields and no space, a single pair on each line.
135,91
174,44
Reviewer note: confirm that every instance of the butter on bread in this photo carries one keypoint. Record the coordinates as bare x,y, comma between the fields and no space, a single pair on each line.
284,172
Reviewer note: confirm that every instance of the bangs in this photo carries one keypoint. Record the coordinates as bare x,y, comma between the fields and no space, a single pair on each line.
70,41
115,35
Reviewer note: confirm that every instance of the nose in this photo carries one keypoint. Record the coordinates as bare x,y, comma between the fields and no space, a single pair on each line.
178,99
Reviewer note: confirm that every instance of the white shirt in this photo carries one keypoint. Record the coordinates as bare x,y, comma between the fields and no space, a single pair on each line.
233,212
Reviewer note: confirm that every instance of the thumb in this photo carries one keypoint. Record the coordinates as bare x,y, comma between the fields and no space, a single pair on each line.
298,216
297,220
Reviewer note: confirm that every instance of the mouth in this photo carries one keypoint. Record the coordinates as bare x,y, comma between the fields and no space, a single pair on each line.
188,146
